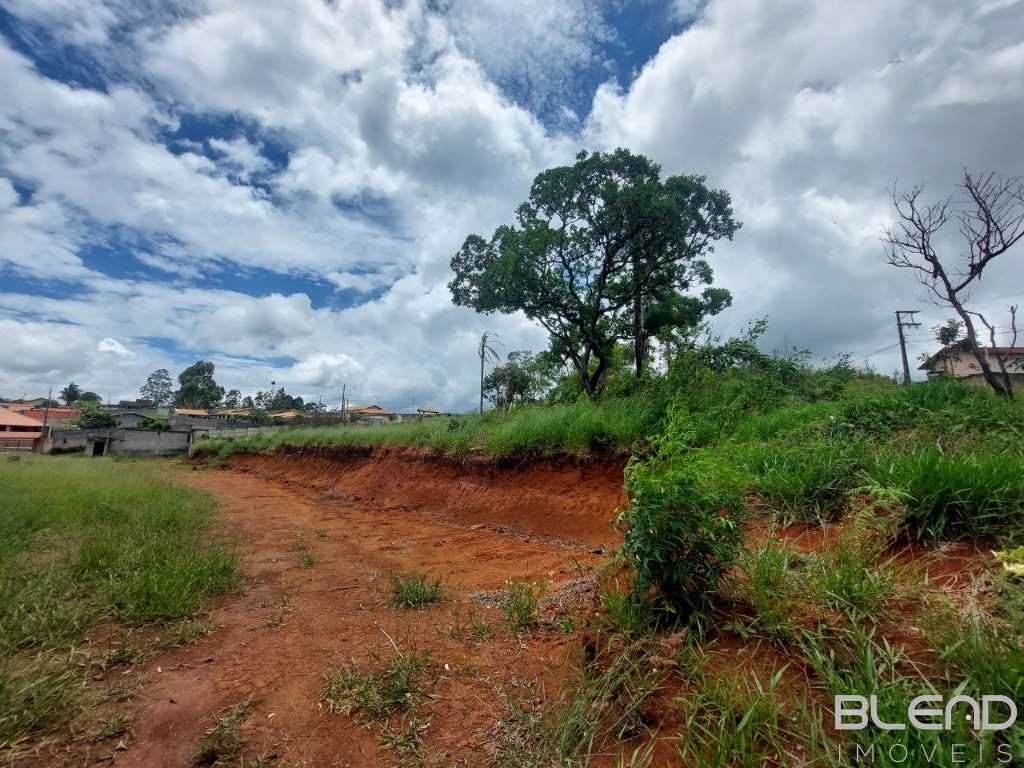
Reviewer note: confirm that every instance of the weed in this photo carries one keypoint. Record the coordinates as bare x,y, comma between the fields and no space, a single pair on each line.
603,701
770,586
521,603
184,633
406,740
307,560
808,482
630,612
478,628
112,727
739,721
949,495
376,694
224,741
276,619
852,575
40,694
415,591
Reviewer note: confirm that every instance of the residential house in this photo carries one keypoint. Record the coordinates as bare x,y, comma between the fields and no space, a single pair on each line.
962,365
424,411
18,432
186,416
130,418
371,414
53,417
233,413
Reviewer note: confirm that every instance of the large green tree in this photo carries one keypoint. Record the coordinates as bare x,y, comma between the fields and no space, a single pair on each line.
198,388
599,248
158,387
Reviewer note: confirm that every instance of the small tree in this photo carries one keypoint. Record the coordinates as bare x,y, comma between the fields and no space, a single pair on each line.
520,380
91,416
991,221
89,397
158,387
70,393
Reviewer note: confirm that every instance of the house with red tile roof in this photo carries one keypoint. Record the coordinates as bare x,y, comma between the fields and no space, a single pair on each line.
18,432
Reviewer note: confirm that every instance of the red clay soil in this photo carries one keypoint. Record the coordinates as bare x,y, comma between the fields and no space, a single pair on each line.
361,518
568,500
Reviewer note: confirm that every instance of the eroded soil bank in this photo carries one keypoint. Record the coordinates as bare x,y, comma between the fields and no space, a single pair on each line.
568,499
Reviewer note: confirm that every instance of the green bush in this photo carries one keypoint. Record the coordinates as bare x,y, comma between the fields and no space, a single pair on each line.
680,534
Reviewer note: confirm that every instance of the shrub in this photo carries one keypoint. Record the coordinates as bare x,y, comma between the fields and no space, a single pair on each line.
680,535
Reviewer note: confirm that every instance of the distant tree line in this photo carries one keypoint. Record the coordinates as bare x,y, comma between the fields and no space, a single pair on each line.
197,388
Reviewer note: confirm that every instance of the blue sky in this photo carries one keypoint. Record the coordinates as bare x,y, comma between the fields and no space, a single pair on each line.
279,187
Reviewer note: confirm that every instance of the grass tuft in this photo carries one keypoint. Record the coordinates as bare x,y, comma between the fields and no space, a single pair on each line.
415,591
373,695
521,603
224,742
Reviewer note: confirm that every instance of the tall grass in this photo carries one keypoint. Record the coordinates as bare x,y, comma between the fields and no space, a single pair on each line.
953,494
82,540
584,427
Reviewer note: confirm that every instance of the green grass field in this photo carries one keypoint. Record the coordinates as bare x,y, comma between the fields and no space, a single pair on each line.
86,543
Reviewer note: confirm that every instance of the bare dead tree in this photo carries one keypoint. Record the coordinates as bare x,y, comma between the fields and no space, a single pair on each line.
991,221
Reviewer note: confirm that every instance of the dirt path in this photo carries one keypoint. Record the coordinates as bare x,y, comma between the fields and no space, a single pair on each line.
315,558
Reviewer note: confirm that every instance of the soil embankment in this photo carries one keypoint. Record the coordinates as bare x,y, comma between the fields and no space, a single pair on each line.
561,500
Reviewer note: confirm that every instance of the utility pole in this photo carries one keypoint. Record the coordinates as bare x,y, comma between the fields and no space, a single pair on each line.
46,420
900,325
343,401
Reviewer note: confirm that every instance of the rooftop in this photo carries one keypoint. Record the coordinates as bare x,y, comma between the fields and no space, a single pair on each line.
11,419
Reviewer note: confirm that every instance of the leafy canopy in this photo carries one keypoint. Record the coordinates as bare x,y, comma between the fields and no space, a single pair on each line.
198,388
158,387
601,252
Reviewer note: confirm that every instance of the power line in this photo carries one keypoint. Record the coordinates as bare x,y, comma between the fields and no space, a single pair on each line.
877,351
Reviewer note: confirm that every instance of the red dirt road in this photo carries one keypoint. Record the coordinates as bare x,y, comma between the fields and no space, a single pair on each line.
361,518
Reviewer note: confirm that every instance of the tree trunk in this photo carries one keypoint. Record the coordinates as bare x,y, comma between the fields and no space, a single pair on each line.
639,337
597,377
1001,388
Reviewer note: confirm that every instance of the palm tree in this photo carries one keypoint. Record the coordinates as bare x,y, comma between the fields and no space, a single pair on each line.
487,352
70,393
